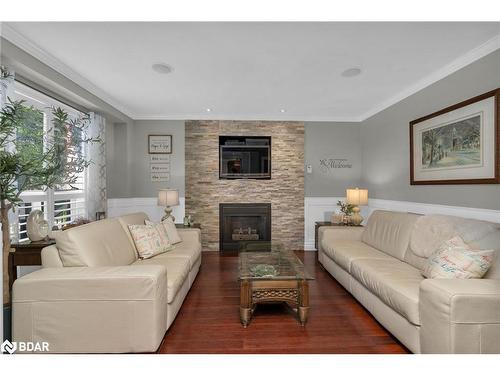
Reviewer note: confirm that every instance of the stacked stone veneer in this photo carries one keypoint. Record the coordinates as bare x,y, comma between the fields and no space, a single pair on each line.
285,189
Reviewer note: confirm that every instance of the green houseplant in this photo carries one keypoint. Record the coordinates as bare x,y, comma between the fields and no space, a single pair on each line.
34,158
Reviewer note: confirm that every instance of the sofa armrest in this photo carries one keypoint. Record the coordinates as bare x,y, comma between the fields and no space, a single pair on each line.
327,234
186,233
460,316
50,257
94,283
92,309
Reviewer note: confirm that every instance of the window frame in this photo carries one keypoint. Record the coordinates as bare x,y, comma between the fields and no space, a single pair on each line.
77,198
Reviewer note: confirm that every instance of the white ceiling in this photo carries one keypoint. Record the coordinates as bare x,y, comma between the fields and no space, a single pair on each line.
252,70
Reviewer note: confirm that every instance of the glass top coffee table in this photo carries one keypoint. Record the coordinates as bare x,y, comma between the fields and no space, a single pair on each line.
268,273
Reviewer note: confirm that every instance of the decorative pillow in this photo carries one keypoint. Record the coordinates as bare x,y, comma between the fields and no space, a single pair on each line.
162,231
454,259
172,233
148,241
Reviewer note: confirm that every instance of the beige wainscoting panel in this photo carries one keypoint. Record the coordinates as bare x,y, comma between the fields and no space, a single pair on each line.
285,190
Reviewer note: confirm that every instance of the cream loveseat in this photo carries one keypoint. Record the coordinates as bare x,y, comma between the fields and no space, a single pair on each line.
94,295
380,266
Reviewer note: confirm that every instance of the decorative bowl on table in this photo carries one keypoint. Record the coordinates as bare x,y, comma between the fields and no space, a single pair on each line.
264,270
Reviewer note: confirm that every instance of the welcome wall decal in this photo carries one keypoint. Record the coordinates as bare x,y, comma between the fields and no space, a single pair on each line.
329,164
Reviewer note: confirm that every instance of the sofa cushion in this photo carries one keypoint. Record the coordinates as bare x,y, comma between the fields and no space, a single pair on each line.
97,244
395,283
430,231
490,241
189,248
177,272
344,252
389,232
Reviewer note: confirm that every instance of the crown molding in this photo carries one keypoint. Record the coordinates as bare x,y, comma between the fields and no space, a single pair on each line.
25,44
468,58
34,50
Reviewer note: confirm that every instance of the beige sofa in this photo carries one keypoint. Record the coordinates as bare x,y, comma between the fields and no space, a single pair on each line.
94,295
380,266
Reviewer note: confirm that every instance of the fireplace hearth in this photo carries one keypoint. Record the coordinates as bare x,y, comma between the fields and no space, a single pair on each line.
243,222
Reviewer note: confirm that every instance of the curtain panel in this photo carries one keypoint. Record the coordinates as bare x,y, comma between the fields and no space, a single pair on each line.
95,195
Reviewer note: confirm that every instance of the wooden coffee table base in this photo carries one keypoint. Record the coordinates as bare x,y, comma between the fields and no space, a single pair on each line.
293,292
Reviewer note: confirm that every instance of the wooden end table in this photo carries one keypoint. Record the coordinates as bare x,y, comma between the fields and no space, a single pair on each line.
182,226
28,253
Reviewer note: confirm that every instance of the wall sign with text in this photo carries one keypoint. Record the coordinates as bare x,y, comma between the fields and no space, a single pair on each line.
329,164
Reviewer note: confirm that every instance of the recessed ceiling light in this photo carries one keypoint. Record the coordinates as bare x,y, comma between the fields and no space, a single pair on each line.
351,72
282,110
162,68
208,109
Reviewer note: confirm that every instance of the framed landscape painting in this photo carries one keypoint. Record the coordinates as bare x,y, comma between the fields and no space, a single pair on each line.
459,144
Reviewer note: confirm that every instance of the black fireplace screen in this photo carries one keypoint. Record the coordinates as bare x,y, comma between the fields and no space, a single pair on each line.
243,222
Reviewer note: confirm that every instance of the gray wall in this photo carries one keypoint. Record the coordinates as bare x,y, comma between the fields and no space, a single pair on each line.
328,141
385,140
141,185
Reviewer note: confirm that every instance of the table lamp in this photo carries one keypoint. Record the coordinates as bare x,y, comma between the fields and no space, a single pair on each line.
168,198
357,197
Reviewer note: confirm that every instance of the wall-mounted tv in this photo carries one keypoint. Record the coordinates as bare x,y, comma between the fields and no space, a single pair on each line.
244,157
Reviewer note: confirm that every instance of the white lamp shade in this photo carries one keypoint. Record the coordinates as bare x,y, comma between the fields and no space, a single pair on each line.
168,197
358,197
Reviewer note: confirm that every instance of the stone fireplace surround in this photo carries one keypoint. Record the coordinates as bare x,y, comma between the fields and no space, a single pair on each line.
284,191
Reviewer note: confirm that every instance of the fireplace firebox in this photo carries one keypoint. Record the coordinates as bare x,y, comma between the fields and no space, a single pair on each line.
243,222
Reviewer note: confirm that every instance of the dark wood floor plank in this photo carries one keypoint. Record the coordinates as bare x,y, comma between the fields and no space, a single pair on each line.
208,321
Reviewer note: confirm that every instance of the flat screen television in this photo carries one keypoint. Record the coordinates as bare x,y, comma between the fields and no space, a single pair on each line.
244,157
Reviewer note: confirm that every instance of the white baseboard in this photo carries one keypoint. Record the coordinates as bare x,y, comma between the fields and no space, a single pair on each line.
123,206
320,209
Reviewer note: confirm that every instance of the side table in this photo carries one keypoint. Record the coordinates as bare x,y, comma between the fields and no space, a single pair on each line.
194,225
26,253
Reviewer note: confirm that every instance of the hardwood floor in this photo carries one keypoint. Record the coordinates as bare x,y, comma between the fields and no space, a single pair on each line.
208,321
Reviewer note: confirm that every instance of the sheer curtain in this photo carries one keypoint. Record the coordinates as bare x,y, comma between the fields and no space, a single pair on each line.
96,172
6,85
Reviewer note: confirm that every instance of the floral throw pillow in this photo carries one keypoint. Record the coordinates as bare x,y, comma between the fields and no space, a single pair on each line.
162,231
148,241
454,259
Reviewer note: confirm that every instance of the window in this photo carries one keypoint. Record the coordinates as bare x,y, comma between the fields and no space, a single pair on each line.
62,204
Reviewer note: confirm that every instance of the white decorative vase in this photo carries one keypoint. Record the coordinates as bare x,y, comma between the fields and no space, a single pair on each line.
36,226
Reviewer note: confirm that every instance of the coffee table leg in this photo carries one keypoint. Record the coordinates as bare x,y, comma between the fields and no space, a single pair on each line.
303,309
245,303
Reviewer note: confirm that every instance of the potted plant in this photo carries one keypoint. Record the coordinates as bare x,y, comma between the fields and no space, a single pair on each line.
346,209
29,163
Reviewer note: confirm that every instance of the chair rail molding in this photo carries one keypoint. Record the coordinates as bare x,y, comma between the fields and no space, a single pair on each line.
429,208
123,206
